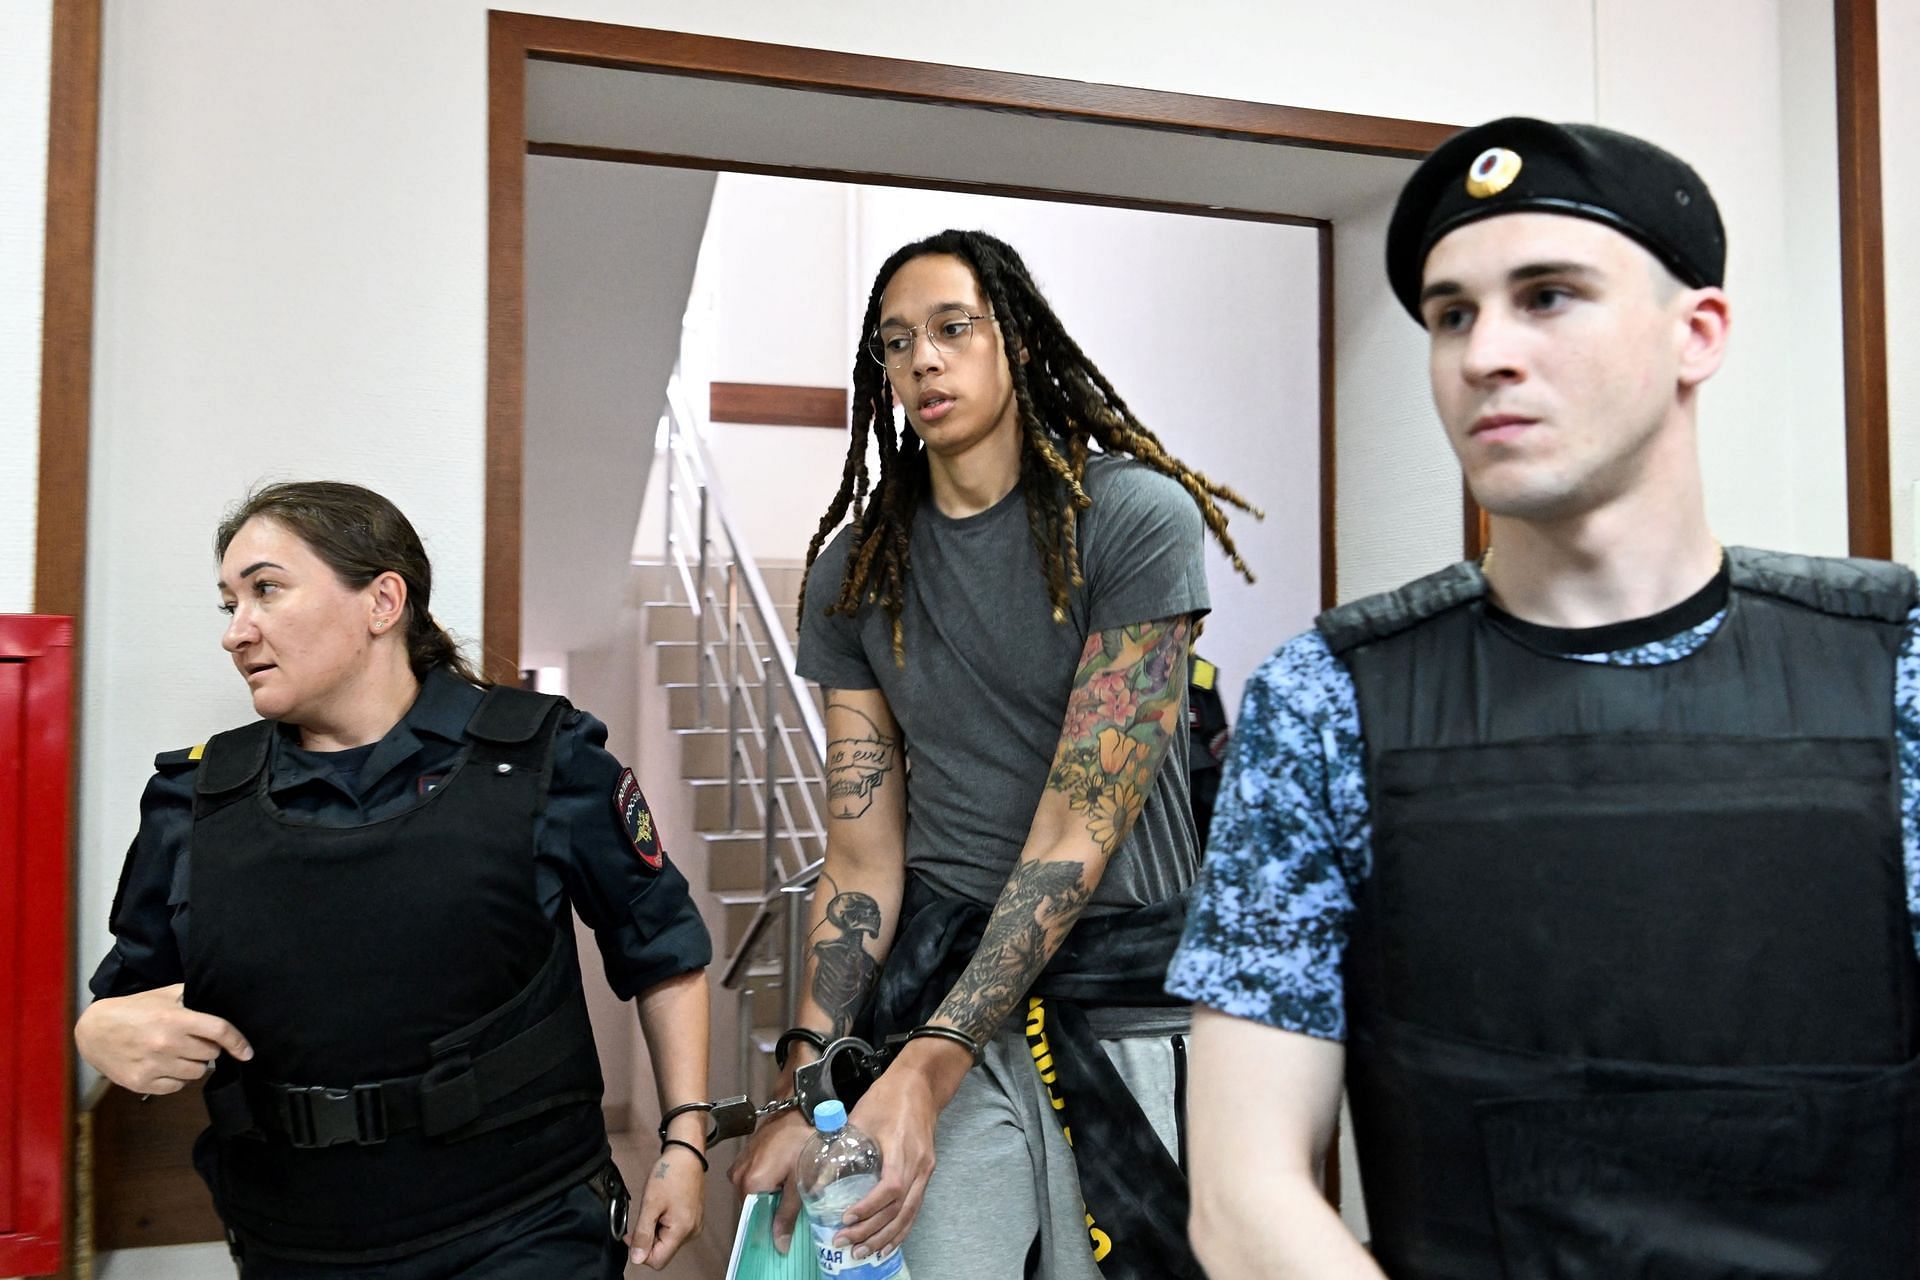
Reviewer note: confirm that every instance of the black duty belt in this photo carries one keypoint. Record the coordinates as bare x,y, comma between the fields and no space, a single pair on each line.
451,1094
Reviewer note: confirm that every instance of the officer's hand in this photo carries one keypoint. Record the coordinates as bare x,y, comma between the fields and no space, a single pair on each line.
152,1043
898,1113
670,1209
766,1163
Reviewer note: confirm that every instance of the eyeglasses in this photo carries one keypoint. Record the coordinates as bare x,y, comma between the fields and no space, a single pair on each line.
948,331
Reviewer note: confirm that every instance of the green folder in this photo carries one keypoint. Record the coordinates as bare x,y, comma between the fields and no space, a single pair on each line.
754,1254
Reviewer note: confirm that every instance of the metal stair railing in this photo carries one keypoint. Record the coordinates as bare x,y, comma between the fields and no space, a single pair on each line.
783,720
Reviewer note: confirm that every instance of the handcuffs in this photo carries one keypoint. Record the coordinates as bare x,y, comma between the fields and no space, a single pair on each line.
844,1071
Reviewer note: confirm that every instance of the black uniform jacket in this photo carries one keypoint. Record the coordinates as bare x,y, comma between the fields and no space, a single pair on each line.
644,920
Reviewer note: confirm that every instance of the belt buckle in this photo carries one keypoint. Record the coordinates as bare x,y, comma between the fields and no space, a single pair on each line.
321,1116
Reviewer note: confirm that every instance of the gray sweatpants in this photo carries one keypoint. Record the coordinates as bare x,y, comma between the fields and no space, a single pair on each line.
1003,1175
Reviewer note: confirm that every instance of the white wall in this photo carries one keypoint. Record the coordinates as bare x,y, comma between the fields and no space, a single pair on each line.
1385,480
770,306
292,254
1900,193
1772,432
610,256
774,278
26,29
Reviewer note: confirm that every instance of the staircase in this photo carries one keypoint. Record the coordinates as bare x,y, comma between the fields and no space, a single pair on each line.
749,798
732,835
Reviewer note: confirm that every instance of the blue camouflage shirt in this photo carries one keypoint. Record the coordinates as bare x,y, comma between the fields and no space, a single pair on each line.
1292,834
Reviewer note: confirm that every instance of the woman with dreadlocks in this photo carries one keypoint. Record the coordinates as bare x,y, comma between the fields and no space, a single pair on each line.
1010,608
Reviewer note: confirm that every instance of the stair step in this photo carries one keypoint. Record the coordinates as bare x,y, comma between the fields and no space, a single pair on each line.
683,706
651,580
735,863
675,664
673,620
674,661
668,621
703,752
710,802
737,910
736,860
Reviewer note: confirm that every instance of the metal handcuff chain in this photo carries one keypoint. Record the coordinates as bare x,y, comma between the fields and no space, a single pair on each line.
844,1071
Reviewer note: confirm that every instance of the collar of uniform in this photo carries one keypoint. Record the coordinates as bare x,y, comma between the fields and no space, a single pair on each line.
440,710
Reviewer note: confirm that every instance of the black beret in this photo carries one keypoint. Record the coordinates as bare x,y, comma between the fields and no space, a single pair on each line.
1518,165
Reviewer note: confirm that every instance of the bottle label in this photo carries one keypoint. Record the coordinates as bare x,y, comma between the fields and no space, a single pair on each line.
838,1260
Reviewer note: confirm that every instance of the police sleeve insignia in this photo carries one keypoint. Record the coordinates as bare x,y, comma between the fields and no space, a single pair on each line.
636,820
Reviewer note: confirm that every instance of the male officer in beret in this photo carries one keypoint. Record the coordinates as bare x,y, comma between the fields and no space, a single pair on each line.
1586,868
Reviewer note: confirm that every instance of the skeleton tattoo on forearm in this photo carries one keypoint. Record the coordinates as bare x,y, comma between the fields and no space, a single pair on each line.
1121,716
843,972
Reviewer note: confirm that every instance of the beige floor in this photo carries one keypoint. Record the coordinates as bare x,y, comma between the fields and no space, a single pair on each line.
704,1259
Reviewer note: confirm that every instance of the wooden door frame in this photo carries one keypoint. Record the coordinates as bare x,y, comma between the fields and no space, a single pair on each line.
1863,280
515,38
66,412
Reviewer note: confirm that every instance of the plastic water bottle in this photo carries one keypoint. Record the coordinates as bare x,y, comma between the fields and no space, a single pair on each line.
836,1171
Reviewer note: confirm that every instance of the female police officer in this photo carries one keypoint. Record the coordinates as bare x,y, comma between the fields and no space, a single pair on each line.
378,970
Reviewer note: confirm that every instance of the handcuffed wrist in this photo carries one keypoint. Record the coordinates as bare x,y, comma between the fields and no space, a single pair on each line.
698,1154
783,1047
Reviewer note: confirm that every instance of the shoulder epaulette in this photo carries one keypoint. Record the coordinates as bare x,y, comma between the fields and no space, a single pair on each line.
233,759
1376,617
510,715
1203,674
1848,588
170,761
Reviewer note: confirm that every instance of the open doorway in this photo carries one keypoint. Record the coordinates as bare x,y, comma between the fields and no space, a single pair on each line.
581,90
1209,326
1258,200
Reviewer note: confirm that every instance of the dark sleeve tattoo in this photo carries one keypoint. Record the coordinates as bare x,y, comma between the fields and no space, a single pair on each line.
843,972
1121,715
857,765
1038,906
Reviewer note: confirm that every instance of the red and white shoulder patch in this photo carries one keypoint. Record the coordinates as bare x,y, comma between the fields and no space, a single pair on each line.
636,820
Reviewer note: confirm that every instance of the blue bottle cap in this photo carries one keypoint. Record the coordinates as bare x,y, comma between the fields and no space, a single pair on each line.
830,1116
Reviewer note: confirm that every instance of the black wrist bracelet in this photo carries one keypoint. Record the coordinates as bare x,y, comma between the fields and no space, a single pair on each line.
792,1035
680,1110
698,1154
954,1034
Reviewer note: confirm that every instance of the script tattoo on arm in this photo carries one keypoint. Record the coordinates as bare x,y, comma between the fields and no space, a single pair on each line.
857,766
842,970
1121,715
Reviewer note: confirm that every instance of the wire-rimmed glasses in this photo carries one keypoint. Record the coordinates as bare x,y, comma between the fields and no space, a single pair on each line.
948,330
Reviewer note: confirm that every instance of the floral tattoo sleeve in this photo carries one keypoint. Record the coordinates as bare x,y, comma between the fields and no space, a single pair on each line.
1123,712
1121,716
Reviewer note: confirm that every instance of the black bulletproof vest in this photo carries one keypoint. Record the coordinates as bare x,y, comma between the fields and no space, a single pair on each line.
1631,984
423,1062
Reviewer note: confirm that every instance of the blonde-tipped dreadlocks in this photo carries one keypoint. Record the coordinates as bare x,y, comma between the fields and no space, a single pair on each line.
1065,404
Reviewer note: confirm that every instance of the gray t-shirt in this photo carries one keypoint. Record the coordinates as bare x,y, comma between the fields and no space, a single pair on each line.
983,695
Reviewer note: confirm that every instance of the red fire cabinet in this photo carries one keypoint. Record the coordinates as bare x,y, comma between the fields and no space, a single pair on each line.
36,735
